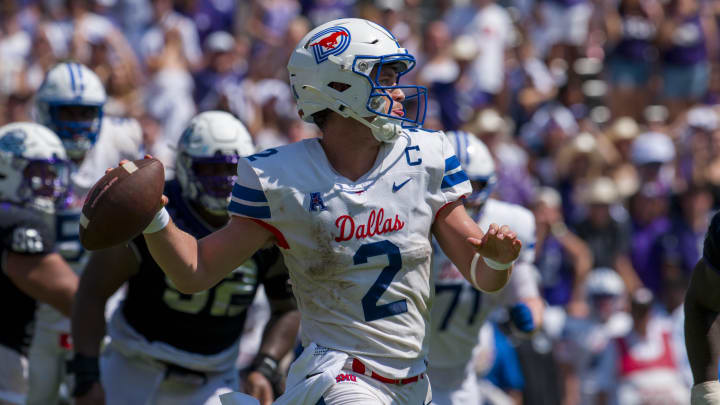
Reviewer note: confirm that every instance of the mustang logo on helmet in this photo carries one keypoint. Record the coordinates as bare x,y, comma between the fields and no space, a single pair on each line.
332,41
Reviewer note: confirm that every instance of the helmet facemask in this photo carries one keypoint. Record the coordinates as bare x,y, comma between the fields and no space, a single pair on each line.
409,110
44,183
77,125
208,181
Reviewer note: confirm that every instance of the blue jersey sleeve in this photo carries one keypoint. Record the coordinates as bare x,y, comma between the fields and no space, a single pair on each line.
454,183
248,198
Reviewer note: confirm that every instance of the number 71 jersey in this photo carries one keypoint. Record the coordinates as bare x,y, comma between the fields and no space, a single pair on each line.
358,252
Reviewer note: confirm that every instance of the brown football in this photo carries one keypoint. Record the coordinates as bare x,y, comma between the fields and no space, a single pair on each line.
122,203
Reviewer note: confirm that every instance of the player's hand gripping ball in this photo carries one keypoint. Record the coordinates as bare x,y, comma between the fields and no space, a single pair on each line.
122,203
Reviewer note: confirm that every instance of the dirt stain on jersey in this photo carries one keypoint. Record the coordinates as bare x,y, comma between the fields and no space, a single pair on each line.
417,258
326,263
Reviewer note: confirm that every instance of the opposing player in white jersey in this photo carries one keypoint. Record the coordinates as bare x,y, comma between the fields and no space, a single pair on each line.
34,174
459,310
70,102
353,213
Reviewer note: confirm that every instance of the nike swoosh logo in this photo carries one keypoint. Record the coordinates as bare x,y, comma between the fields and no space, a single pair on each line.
395,188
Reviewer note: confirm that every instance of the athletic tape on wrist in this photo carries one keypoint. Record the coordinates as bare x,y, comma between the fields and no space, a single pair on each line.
497,265
161,220
268,367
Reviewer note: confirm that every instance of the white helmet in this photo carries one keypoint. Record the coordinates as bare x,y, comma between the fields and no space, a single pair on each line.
331,68
33,166
477,162
604,281
207,157
71,84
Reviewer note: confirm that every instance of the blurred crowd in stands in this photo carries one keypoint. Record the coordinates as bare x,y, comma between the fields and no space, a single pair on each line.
602,116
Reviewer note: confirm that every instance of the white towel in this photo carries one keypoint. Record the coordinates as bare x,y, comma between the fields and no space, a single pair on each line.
238,398
311,375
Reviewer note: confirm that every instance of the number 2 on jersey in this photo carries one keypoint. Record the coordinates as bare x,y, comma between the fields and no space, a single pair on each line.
371,309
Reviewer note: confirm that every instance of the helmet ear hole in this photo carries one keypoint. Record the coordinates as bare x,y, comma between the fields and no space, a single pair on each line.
341,87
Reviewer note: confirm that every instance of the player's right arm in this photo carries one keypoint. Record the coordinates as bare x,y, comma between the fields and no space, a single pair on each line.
105,272
196,265
702,331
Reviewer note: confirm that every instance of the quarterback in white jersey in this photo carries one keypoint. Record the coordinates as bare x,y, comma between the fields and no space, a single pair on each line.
353,213
458,310
70,102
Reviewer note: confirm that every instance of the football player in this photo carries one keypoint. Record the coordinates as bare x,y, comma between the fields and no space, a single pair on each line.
70,102
702,331
167,346
459,310
34,174
353,212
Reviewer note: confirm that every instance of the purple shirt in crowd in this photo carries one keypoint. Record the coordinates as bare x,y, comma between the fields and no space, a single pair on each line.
644,260
688,43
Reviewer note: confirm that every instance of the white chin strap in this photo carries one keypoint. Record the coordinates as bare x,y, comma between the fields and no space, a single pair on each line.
382,128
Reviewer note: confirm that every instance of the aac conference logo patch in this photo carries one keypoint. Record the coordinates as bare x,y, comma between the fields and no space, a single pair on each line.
331,41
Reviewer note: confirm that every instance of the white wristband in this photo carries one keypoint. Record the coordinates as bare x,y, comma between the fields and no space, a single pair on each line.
497,265
705,393
161,220
473,271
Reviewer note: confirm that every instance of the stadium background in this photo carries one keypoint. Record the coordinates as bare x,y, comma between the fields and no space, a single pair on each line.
601,115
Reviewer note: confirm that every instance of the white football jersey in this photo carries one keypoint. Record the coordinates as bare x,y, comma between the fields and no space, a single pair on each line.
119,138
458,309
358,252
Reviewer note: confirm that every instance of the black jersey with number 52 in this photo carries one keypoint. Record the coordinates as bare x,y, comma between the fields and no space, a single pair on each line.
206,322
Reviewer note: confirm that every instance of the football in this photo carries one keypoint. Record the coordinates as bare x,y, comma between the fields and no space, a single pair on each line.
122,203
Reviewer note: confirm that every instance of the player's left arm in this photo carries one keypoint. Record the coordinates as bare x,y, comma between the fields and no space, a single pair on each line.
264,380
460,239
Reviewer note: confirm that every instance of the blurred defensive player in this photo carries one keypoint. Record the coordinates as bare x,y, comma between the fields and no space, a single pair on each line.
173,348
70,102
353,212
702,330
459,310
34,174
